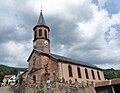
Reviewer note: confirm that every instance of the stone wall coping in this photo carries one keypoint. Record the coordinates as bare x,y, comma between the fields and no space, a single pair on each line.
107,82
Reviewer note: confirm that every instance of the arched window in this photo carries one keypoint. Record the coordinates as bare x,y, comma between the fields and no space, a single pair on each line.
33,63
86,73
34,79
70,71
35,34
45,33
98,75
93,75
40,32
34,60
79,73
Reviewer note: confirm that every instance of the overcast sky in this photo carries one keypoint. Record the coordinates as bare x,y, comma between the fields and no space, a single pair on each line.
86,30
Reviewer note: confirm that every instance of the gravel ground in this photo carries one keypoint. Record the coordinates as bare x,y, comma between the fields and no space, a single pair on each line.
4,89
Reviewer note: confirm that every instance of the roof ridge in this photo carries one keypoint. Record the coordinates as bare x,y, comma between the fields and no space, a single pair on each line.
74,60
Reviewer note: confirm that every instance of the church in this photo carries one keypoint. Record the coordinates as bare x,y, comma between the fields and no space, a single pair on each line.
42,63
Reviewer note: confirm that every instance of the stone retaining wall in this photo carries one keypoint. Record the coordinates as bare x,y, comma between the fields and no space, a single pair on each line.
60,88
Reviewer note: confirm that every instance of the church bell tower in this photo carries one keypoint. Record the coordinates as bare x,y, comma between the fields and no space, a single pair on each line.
41,35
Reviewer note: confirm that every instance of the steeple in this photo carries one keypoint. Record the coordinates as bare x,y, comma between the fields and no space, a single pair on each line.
41,19
41,35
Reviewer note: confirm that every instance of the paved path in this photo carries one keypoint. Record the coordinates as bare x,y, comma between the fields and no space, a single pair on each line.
4,89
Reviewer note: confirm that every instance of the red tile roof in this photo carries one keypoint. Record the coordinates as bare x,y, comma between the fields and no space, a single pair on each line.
8,76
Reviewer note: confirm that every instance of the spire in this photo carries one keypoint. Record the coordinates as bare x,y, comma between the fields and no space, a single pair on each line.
41,19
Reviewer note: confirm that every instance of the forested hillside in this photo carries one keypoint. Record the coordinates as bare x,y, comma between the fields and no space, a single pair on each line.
5,70
111,73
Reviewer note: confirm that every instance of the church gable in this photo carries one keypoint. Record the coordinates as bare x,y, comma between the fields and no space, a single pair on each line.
39,59
34,62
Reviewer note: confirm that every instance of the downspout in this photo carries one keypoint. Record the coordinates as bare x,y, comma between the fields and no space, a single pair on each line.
113,91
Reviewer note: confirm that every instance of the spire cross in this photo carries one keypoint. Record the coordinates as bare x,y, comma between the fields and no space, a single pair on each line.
41,8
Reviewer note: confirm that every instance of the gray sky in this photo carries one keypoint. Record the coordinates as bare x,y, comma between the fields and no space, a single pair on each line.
87,30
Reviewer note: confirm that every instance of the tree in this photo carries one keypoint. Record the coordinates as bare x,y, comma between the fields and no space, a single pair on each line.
1,76
111,73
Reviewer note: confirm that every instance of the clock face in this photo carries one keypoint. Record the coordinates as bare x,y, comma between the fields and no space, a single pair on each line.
34,43
46,42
